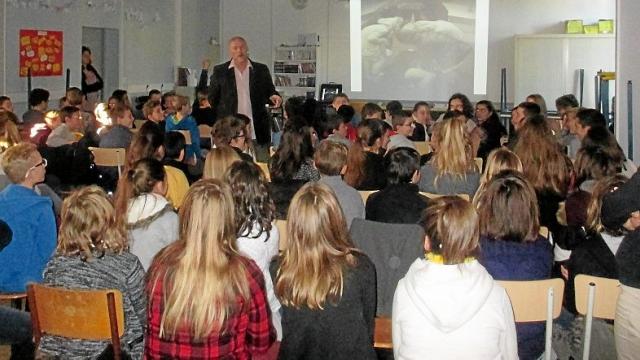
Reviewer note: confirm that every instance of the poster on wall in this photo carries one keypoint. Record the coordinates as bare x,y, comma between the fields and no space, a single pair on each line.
40,50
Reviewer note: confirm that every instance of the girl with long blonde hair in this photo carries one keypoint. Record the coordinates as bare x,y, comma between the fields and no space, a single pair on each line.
498,160
205,300
326,287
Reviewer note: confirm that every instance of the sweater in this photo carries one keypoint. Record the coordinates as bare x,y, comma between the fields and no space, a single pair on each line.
186,123
520,261
397,203
30,217
628,258
448,184
452,312
339,331
348,197
399,140
122,272
118,136
152,225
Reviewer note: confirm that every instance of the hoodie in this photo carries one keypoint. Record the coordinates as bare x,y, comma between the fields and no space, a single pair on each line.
30,217
152,225
452,312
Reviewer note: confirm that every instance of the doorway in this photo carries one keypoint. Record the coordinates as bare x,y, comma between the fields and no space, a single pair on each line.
105,48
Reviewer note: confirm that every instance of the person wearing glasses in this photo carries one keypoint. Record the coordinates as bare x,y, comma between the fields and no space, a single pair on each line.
402,129
30,217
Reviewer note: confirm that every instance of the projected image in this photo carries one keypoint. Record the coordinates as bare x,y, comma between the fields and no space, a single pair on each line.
426,45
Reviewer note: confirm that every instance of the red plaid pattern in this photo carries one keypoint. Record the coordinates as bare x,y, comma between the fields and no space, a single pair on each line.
248,332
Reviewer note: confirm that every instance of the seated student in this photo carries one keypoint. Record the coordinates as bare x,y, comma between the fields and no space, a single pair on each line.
498,160
155,95
227,318
400,201
338,100
365,164
448,306
511,247
9,133
39,132
421,116
76,98
587,119
402,129
336,130
119,134
121,97
6,104
91,254
621,208
568,138
143,209
169,103
152,111
177,182
148,143
326,287
330,159
218,161
452,170
30,217
39,103
393,107
232,131
258,236
350,118
245,144
372,111
182,120
67,129
490,126
519,116
603,138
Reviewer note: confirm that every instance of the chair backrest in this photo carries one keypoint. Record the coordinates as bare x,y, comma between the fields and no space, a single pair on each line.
282,229
529,298
138,123
76,314
392,248
187,136
544,232
605,297
205,131
479,163
109,157
265,169
423,147
382,338
365,194
435,196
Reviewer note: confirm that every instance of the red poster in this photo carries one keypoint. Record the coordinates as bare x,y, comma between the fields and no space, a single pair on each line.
40,50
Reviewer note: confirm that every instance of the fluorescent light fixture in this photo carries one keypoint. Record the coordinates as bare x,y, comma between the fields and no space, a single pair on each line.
355,13
481,48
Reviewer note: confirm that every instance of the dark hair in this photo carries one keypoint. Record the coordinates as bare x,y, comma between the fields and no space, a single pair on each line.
417,105
370,109
594,163
119,95
294,106
4,98
467,108
85,49
369,130
333,123
295,148
139,179
600,136
394,107
67,112
166,95
489,105
253,202
401,163
38,96
174,143
154,92
145,144
591,117
347,112
530,109
566,101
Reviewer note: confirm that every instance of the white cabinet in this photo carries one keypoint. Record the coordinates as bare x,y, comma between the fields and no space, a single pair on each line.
294,70
549,64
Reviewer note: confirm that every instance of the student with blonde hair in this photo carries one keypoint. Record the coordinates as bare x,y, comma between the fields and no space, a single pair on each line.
218,161
498,160
326,287
91,254
205,299
452,170
448,306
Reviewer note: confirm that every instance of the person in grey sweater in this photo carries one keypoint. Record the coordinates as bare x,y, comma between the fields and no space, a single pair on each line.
331,159
91,255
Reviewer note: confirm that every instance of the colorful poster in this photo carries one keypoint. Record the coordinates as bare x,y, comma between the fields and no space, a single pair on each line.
40,50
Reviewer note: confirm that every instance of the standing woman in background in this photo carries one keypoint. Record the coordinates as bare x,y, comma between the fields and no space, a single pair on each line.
91,81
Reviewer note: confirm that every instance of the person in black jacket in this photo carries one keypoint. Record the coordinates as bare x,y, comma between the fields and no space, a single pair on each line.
493,129
256,88
91,81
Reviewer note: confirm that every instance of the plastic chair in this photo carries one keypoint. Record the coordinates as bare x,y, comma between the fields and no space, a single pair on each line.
423,147
205,131
595,297
382,335
282,229
365,194
536,300
187,136
77,314
265,169
109,157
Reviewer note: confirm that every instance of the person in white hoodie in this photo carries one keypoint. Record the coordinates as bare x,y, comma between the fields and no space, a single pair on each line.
147,214
448,306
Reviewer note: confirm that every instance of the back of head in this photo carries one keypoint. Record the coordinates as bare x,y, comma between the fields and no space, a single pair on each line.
37,96
294,106
371,111
74,96
454,147
508,208
539,100
347,112
401,164
174,144
16,161
330,158
333,123
139,179
9,134
595,163
88,225
530,109
566,101
394,107
318,249
218,161
498,160
603,187
451,225
591,118
147,108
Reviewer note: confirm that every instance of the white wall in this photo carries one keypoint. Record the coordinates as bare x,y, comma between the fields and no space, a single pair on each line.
330,19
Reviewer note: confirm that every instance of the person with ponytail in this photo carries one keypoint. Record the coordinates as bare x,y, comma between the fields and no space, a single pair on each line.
144,211
205,299
365,165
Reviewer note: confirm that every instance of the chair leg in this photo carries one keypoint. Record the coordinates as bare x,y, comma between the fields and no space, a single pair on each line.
113,322
549,325
588,322
35,322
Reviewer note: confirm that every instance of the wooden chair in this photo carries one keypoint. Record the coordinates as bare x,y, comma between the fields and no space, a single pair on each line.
17,300
205,131
109,157
77,314
282,229
365,194
138,124
423,147
187,136
479,162
265,169
382,335
595,297
435,196
537,300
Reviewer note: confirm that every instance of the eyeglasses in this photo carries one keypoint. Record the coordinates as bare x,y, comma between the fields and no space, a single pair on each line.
42,163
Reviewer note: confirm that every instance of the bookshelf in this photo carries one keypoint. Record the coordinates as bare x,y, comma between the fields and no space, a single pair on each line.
294,70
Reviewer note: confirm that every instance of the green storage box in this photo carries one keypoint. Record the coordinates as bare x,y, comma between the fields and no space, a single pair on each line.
605,26
574,27
591,29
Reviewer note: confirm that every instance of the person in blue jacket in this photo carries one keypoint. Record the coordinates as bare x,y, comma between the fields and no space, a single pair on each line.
182,120
29,216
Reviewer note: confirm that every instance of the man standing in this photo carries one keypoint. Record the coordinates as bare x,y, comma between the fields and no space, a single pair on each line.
242,86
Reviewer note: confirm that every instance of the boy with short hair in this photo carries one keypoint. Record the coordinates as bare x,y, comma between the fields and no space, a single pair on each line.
402,128
337,130
67,129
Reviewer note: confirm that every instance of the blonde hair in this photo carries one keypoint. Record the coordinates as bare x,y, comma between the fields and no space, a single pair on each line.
202,274
16,161
9,134
602,187
180,102
454,151
88,225
498,160
330,157
218,161
318,251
